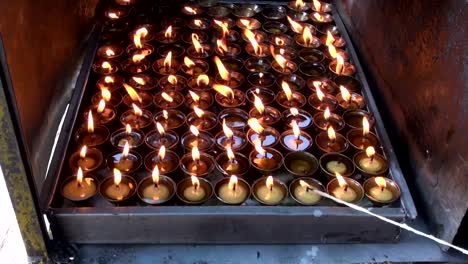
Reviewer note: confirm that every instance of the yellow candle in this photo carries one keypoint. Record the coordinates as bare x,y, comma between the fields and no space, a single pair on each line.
159,192
74,191
335,166
306,196
371,165
194,193
118,192
345,193
272,195
233,195
381,194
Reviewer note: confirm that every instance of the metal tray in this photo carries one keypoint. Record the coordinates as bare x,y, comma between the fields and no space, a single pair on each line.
326,223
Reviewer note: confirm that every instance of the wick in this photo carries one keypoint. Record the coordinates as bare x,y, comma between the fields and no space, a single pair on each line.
346,188
156,185
166,68
78,184
234,187
271,188
382,188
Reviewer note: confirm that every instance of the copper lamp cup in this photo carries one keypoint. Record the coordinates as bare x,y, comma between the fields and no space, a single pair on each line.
295,82
146,100
161,103
234,64
166,85
287,52
79,200
200,86
205,141
202,36
242,161
326,18
203,54
175,119
304,120
138,122
292,6
269,117
163,181
235,118
134,139
262,53
243,12
274,12
187,159
274,162
92,139
255,7
160,68
366,172
91,153
275,27
328,101
389,185
353,118
355,103
109,181
146,49
155,140
326,145
112,86
301,163
115,100
205,102
149,82
262,182
312,69
314,42
204,25
113,161
114,67
236,79
328,86
199,68
240,182
324,7
304,142
335,121
237,141
270,137
289,68
360,142
295,184
207,122
187,182
280,40
167,165
261,79
218,11
267,96
353,184
311,55
104,51
298,100
237,101
351,83
177,50
232,50
348,69
259,35
334,159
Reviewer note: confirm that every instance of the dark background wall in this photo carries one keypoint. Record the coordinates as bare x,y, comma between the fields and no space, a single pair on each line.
417,55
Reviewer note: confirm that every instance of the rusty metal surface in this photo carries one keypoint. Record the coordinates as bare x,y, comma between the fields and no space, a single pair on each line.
41,38
418,56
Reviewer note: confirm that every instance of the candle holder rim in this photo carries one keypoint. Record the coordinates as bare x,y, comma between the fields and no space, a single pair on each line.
171,48
277,182
130,48
214,118
280,10
308,180
222,181
174,94
73,177
307,154
347,65
315,42
203,181
333,102
359,99
115,47
175,65
128,102
280,26
352,78
324,8
288,78
146,113
342,123
316,51
360,112
243,12
214,11
162,178
153,153
329,18
146,87
111,178
89,150
237,93
358,188
282,94
315,65
261,61
206,134
236,154
286,113
395,190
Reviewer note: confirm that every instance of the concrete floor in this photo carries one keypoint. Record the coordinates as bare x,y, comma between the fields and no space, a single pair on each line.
12,249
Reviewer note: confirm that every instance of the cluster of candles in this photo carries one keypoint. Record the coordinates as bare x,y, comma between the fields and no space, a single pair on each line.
229,94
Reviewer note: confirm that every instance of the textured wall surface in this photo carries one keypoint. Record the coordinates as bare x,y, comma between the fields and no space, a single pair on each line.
40,40
419,54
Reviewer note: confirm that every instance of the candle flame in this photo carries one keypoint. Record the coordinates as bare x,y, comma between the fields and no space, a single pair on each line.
295,128
258,147
195,97
155,174
199,112
319,17
326,113
305,184
299,4
381,182
137,41
331,133
105,94
106,65
110,52
203,79
232,182
196,44
317,5
246,23
294,111
230,153
194,130
132,93
160,128
226,91
172,79
282,61
296,27
222,25
101,106
108,79
168,60
258,104
227,131
339,64
79,175
165,114
139,80
190,10
307,36
117,176
167,97
198,22
370,152
112,15
222,69
221,45
255,125
279,41
330,39
332,51
253,41
320,94
90,122
137,110
195,153
138,58
287,90
128,129
168,32
195,182
341,180
142,32
126,150
162,152
365,126
345,93
83,152
269,182
188,62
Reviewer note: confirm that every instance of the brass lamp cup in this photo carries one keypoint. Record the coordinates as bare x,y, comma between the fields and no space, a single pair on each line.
175,120
253,24
240,182
170,158
351,83
146,49
150,82
321,105
256,8
218,11
304,137
187,159
205,53
97,67
161,103
270,137
235,118
359,142
146,100
275,27
328,86
292,6
301,163
205,141
339,145
160,68
155,140
264,51
327,18
277,160
312,69
260,36
267,95
109,181
313,44
144,38
353,118
237,143
177,51
81,200
208,122
237,101
315,184
296,82
340,158
204,25
163,180
202,36
200,67
242,160
298,100
113,159
236,79
232,50
298,16
115,100
187,182
92,153
338,43
92,139
101,118
324,7
142,122
348,69
276,182
161,37
304,120
192,84
355,103
205,102
322,29
166,85
390,185
233,63
243,12
194,10
335,121
112,86
134,138
280,40
377,158
311,55
116,49
274,12
290,67
261,79
353,184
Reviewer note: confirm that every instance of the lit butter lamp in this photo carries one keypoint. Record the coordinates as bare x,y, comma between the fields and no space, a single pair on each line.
370,163
111,82
265,160
143,82
287,98
196,163
261,79
350,101
330,141
166,65
331,53
323,120
269,191
266,116
102,113
92,136
167,36
361,139
199,50
228,97
295,139
161,137
170,119
280,40
326,85
330,39
192,10
232,190
274,27
381,190
79,188
142,99
302,118
202,120
235,118
268,136
118,189
200,83
225,49
248,23
166,160
173,83
332,163
301,163
295,82
223,24
321,7
306,39
230,163
321,18
194,190
194,67
136,64
298,5
353,118
321,101
228,137
340,67
301,190
137,118
144,32
194,138
254,64
254,48
133,137
266,95
199,24
168,100
228,78
345,189
110,51
111,99
105,67
201,99
156,189
125,161
281,64
138,46
87,159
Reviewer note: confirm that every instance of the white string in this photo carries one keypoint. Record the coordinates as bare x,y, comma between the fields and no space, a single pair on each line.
404,226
